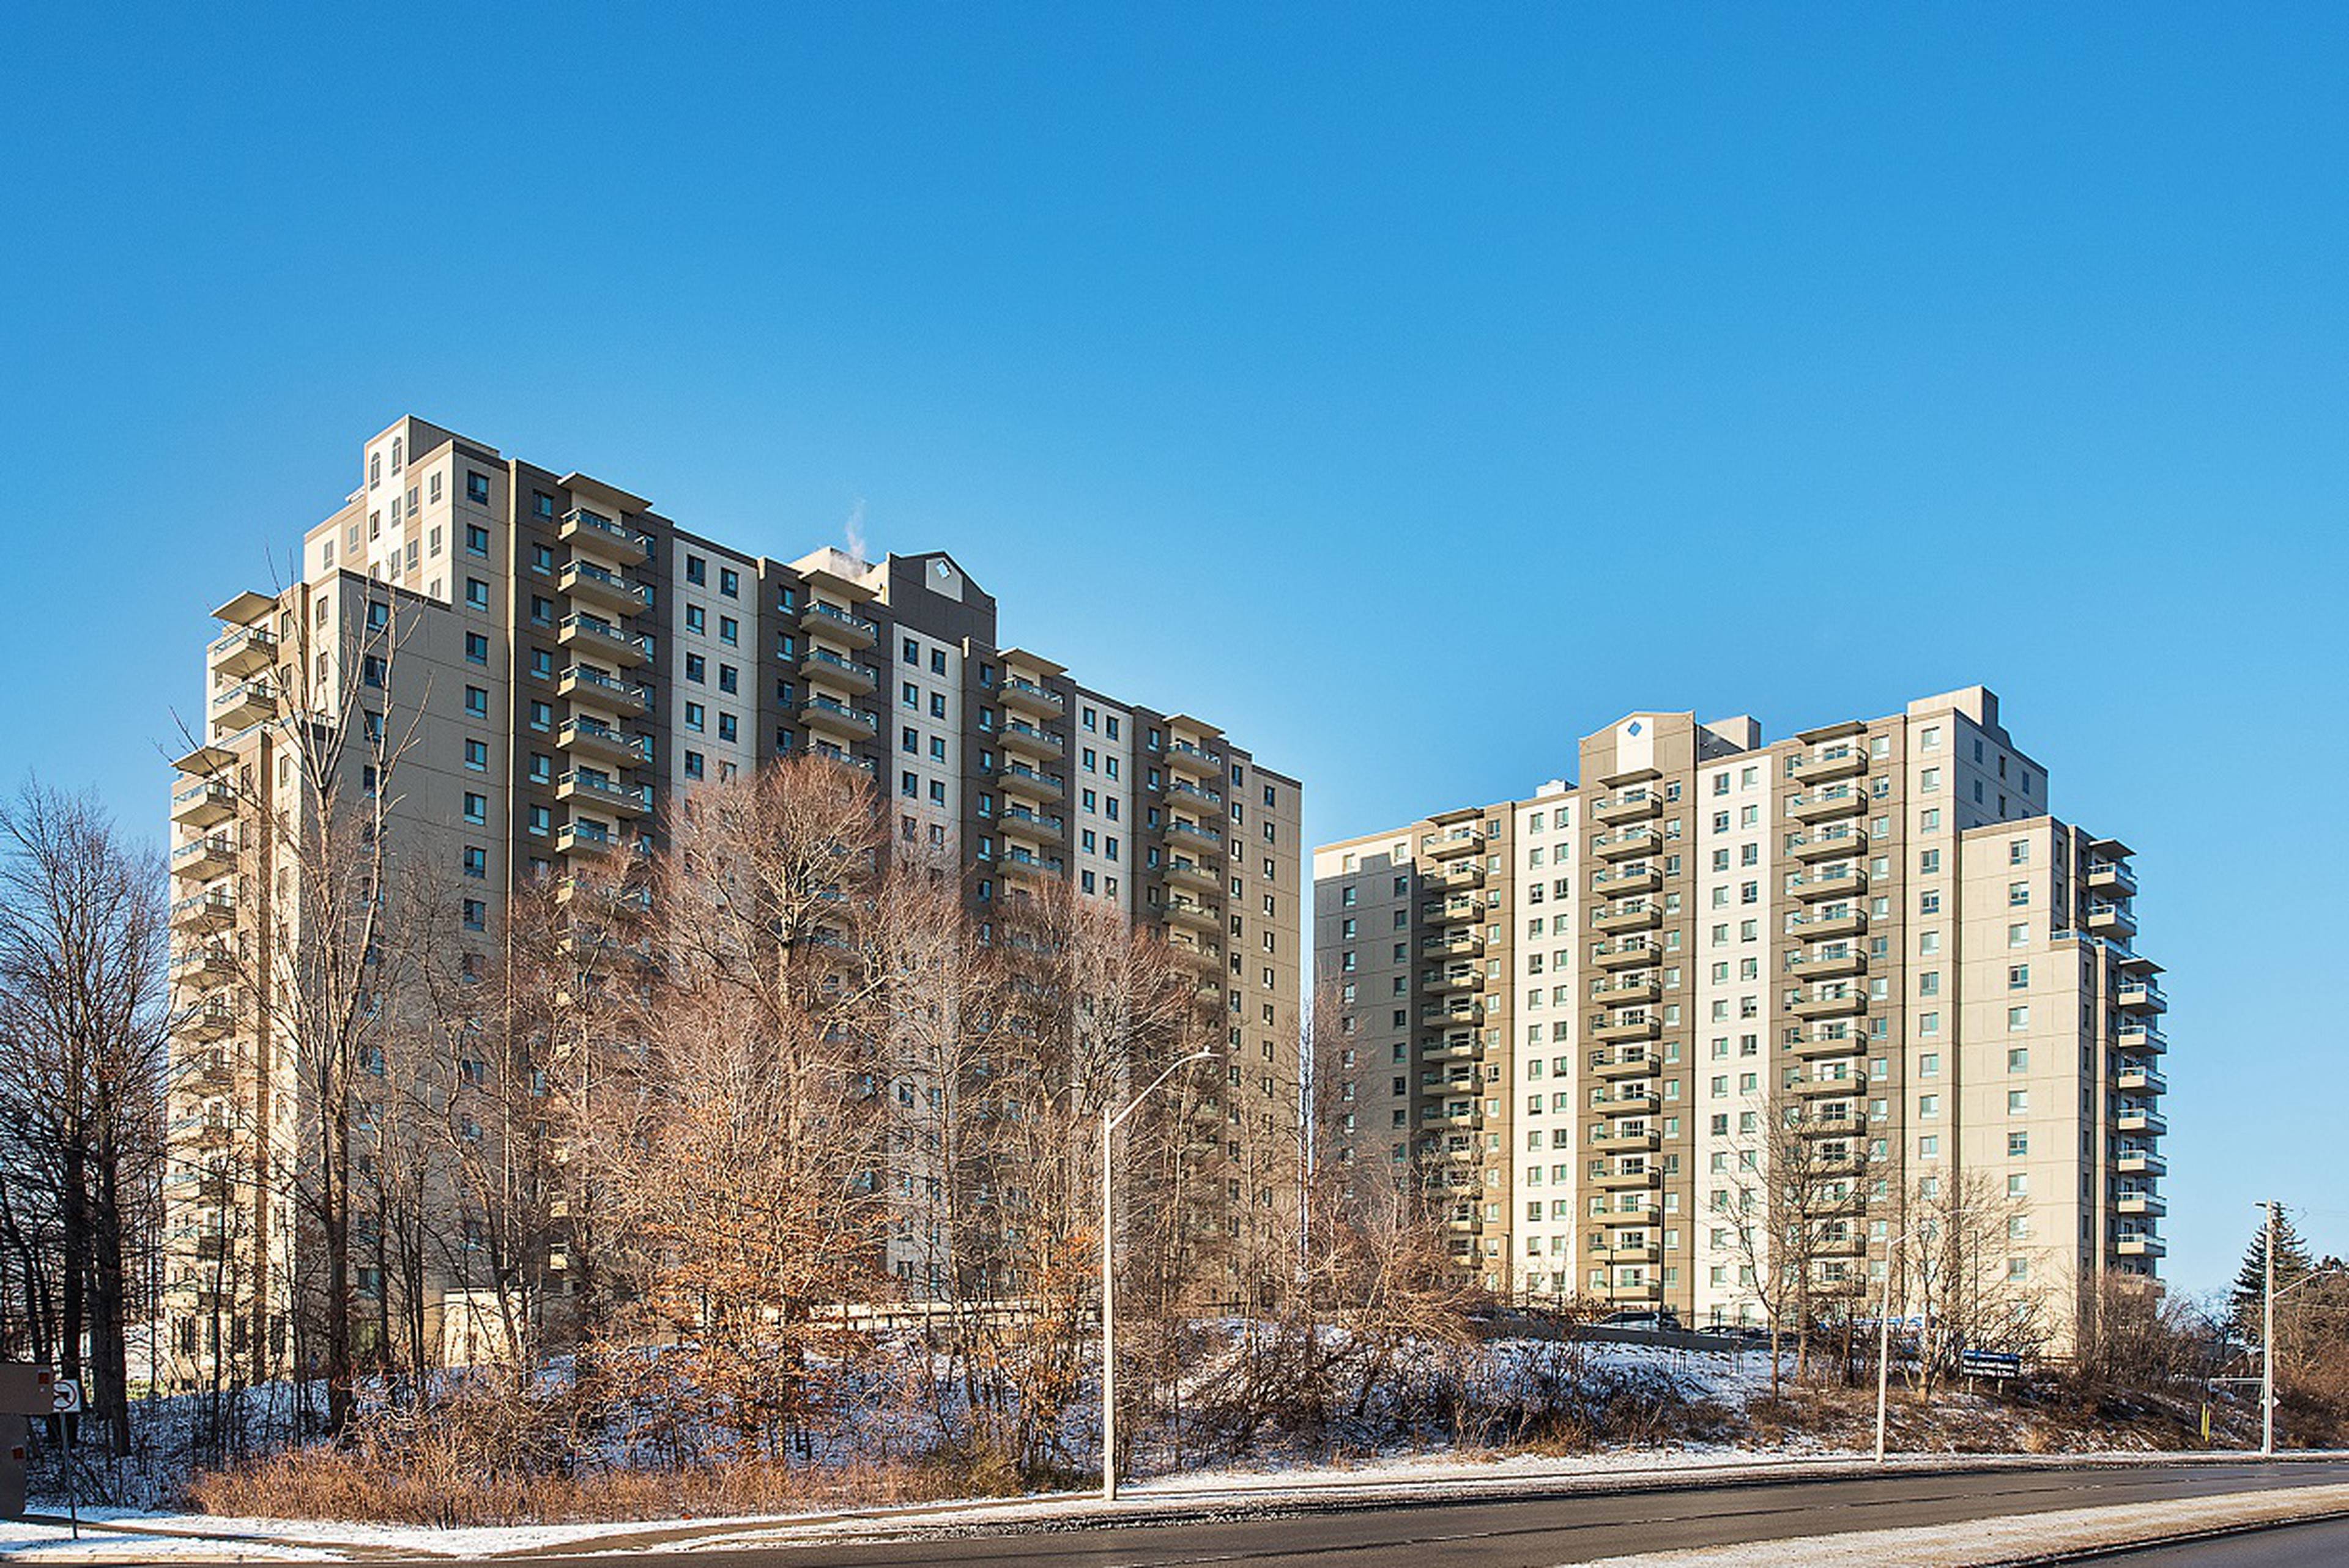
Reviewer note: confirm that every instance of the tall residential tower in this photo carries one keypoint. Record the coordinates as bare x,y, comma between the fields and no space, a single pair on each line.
569,663
1584,1020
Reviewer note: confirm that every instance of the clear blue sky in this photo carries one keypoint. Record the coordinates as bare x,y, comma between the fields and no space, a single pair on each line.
1908,347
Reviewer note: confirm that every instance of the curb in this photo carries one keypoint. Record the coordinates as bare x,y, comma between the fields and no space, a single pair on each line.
2124,1549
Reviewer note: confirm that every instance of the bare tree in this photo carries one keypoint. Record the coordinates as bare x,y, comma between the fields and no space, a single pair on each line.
84,1020
1797,1212
1968,1269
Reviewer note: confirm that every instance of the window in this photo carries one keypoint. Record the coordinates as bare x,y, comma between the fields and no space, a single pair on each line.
696,668
477,807
1929,779
730,630
694,720
476,539
697,619
2018,894
477,489
477,648
729,582
477,914
2018,1018
477,861
477,702
2018,1102
2018,1060
2018,976
477,756
696,569
2018,851
477,593
2018,1144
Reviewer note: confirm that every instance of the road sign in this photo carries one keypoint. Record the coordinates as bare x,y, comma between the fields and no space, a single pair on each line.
64,1396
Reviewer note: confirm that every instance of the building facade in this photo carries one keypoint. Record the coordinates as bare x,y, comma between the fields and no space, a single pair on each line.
569,661
1587,1022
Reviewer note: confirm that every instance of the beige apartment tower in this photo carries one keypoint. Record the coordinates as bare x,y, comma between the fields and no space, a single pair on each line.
1585,1021
571,664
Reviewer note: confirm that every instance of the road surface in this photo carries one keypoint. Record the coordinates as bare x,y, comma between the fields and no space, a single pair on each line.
2294,1546
1538,1530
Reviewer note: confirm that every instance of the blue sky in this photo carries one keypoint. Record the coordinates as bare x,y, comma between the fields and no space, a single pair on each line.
1906,347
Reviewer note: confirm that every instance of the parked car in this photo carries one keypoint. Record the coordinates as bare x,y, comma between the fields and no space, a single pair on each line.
1641,1318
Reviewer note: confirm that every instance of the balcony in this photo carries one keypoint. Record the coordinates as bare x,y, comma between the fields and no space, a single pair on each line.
209,856
202,804
1455,944
598,535
588,583
211,910
1609,1065
1205,800
1627,991
245,703
2141,1205
1622,1101
1828,1086
2113,879
584,787
1829,762
1812,848
1822,1121
2133,1078
1822,1046
1614,919
584,839
2113,922
1193,876
1612,956
206,963
2140,1038
1021,779
836,718
1840,1245
839,671
1020,739
1828,964
1463,1045
2141,997
1193,915
1644,1290
1627,843
1639,1140
590,637
1465,839
1818,926
212,1021
1613,1180
2140,1162
1034,826
1829,1004
1616,1030
1833,882
246,650
2140,1121
1643,1251
1460,876
2140,1244
1203,841
1020,863
1618,882
1448,981
1629,806
1194,761
1451,908
1825,805
1021,695
842,626
592,737
580,683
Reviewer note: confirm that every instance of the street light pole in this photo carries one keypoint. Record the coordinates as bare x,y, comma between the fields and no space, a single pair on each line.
1884,1340
2267,1342
1110,1124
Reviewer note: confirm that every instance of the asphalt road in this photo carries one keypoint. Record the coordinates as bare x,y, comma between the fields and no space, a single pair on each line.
2294,1546
1534,1530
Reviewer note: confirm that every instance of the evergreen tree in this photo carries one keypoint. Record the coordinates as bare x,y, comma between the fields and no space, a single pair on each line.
2292,1262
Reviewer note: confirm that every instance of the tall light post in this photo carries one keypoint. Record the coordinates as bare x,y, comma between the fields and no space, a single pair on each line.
1884,1337
2268,1296
1110,1124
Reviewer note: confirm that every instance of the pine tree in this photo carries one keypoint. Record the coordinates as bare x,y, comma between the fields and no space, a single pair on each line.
2292,1262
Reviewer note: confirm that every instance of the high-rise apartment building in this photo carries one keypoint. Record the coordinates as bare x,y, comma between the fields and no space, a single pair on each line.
569,663
1586,1021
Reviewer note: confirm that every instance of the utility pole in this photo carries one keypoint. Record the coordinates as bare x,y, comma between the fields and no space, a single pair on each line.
2267,1341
